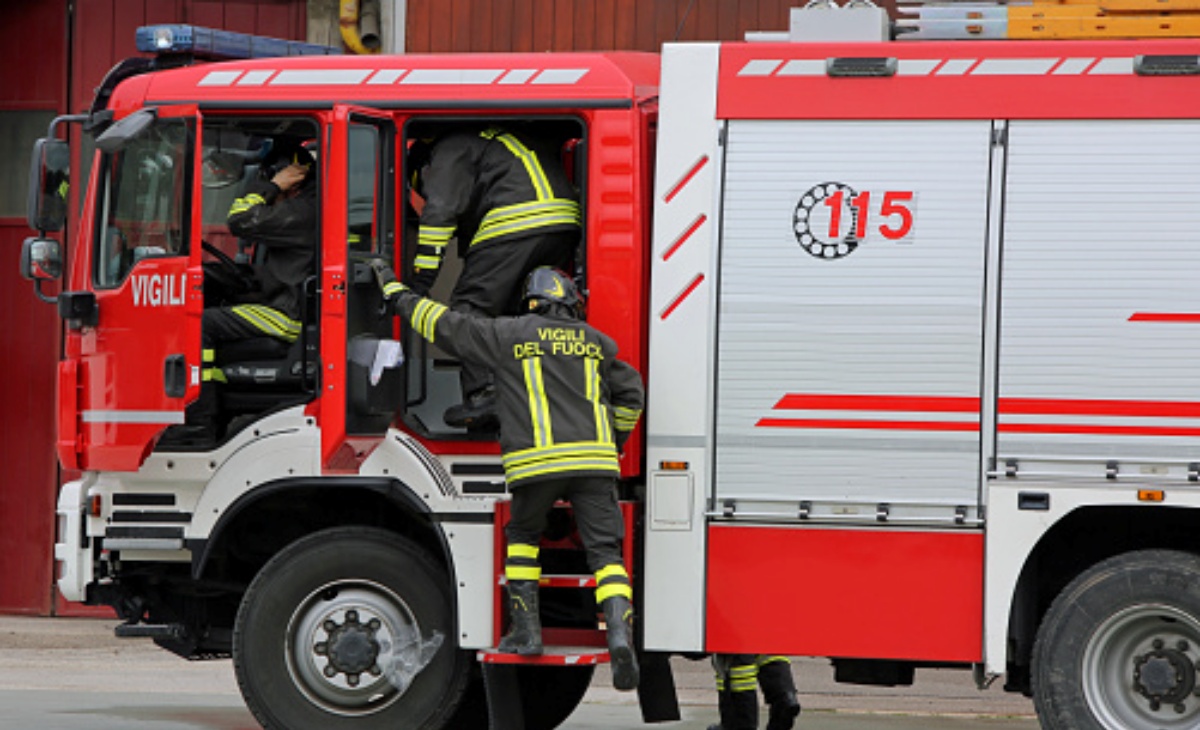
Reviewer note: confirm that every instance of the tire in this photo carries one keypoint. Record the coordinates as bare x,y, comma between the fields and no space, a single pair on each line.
333,603
1120,647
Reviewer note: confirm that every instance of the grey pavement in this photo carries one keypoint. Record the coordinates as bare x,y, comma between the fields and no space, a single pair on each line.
72,674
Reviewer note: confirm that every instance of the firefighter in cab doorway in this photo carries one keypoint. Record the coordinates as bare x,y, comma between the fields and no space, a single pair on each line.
737,695
506,198
566,405
278,214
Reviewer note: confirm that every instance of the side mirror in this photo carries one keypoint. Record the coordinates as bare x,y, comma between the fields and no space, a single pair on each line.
121,133
49,177
41,259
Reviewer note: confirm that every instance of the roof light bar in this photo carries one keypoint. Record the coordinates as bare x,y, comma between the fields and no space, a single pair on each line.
221,45
860,67
1166,65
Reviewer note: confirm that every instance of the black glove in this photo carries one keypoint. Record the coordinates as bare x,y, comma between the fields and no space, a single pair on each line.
386,278
423,281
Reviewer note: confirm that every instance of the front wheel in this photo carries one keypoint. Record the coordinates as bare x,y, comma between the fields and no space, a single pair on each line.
1119,648
349,629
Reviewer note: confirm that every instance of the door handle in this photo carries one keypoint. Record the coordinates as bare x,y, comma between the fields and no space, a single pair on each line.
175,376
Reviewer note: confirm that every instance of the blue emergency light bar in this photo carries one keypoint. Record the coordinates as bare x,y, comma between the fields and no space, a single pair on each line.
221,45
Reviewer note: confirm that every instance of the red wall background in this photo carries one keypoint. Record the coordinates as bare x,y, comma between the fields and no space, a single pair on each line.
55,61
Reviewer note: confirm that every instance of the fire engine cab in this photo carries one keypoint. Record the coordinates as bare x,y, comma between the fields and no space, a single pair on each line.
916,317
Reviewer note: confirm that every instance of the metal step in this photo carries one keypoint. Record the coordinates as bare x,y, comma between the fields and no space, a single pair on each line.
554,656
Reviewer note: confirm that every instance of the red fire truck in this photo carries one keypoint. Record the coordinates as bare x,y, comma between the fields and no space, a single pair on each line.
916,319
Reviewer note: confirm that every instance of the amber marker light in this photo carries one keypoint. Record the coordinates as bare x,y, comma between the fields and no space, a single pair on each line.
673,465
1151,495
97,505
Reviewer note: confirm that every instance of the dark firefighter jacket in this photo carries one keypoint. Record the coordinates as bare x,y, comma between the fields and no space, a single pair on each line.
566,403
488,187
287,231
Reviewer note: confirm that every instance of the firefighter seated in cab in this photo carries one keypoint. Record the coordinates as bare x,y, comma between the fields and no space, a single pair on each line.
277,213
505,196
737,696
566,406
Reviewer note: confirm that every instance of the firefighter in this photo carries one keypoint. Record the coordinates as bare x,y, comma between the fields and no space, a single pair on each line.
507,200
566,405
279,213
737,698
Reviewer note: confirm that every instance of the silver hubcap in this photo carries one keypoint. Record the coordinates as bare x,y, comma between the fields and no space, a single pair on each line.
340,643
1140,670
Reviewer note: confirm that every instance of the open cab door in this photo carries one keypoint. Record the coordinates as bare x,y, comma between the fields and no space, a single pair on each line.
358,327
135,301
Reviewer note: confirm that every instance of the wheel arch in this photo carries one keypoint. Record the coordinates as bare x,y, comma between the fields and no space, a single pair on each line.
1082,538
265,519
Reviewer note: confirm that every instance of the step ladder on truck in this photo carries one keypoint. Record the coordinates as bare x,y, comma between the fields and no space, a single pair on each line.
913,302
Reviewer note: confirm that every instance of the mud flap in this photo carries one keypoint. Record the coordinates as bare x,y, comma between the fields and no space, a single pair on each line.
656,690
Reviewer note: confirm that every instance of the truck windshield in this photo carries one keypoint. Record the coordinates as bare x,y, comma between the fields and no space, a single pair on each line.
143,198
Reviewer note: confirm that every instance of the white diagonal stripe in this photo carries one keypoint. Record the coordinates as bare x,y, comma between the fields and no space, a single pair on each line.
322,77
1073,66
803,67
1014,67
560,76
219,78
760,67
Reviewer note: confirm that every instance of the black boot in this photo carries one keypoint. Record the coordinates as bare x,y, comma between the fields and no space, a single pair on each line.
743,711
525,630
779,691
477,411
618,621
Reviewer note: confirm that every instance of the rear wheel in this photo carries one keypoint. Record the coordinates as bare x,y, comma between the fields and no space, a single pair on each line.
1119,648
349,628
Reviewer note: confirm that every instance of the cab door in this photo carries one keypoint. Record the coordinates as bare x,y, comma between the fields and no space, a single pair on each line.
139,346
360,227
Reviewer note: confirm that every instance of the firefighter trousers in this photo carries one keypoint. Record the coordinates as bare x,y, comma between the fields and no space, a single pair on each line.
597,515
491,283
230,324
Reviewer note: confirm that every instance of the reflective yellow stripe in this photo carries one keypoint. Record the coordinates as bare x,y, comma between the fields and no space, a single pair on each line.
522,572
626,418
562,467
605,592
742,685
269,321
520,550
241,205
208,355
744,670
427,262
765,660
517,211
425,317
526,223
393,287
608,571
537,176
539,405
569,449
213,374
284,323
594,393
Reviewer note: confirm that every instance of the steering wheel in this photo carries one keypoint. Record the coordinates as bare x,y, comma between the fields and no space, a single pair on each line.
227,273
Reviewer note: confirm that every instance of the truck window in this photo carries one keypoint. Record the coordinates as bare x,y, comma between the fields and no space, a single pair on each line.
143,200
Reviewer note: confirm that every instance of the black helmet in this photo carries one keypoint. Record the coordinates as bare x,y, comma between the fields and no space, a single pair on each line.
546,285
282,153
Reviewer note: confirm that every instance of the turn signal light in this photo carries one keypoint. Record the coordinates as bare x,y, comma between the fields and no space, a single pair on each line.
97,505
